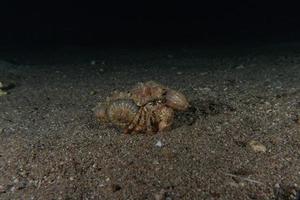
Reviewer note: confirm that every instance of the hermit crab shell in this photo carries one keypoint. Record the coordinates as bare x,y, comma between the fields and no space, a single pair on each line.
143,93
121,112
176,100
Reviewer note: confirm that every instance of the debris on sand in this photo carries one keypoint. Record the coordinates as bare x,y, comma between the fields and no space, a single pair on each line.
160,195
101,70
3,189
170,56
244,178
286,192
257,146
93,92
115,187
2,93
159,144
5,87
240,66
93,62
297,120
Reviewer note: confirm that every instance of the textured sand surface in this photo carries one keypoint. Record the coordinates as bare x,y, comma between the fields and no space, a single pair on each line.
51,147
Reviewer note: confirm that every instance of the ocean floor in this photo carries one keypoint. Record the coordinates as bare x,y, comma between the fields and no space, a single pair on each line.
239,140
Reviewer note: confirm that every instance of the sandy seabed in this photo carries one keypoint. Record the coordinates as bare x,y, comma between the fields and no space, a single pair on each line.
51,146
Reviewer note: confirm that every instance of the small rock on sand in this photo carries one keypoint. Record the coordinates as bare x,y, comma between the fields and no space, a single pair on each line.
257,146
240,67
2,93
93,92
93,62
159,144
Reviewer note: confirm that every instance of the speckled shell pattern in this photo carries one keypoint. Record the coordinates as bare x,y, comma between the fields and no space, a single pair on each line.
121,112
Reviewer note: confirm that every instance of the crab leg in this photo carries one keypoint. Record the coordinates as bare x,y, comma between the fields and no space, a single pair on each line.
141,123
149,127
134,122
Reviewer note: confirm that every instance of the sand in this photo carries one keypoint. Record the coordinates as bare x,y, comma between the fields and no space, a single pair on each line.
240,139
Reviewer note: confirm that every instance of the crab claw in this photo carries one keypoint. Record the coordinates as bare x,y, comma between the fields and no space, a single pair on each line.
165,116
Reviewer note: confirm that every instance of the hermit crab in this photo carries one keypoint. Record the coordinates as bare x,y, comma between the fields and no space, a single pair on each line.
146,108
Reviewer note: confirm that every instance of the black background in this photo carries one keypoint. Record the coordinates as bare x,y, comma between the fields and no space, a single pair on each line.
138,22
